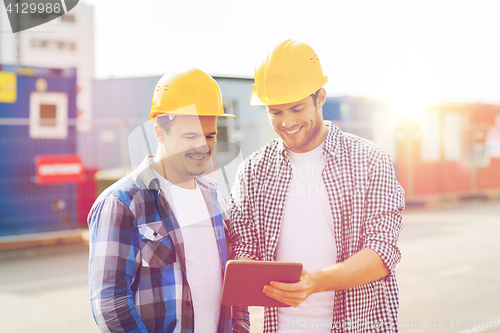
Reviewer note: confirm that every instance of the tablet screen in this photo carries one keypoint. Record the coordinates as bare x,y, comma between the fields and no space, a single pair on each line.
244,281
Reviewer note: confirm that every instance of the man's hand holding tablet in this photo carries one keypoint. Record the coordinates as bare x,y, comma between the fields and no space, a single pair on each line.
245,281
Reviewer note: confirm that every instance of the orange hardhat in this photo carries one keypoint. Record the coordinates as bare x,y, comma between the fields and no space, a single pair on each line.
191,92
291,72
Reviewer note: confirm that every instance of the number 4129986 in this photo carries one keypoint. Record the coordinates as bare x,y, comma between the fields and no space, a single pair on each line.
471,323
26,8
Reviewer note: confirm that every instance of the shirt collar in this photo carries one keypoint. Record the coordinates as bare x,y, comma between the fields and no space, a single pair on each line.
145,175
329,145
332,139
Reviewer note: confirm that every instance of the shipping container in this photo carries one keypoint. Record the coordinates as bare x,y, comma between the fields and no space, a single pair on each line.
450,151
39,167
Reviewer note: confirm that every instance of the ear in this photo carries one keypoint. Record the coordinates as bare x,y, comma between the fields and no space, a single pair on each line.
159,133
321,97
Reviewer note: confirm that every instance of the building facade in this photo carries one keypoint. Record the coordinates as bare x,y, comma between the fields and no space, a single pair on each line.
64,42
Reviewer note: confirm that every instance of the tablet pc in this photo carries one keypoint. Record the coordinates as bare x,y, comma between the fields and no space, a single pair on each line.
244,281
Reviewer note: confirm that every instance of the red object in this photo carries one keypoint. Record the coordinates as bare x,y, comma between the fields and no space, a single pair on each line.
87,191
476,169
440,176
58,169
485,126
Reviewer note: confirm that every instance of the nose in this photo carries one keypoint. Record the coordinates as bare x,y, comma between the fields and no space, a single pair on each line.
288,120
202,146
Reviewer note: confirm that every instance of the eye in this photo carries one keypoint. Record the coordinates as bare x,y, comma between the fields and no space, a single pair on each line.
275,113
297,110
210,137
190,137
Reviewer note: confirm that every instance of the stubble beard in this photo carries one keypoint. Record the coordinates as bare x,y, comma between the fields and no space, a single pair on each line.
196,170
307,136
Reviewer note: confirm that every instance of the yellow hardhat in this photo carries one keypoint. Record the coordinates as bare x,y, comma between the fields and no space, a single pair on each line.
290,73
191,92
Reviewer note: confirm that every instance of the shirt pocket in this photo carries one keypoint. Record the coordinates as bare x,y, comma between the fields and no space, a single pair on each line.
157,249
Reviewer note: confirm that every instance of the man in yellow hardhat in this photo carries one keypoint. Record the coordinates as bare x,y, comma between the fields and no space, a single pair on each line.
157,237
318,196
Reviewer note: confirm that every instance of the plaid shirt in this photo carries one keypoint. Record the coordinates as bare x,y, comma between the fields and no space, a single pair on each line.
366,203
137,270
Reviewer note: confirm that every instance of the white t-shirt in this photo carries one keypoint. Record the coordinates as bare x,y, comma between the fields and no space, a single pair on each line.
203,267
307,236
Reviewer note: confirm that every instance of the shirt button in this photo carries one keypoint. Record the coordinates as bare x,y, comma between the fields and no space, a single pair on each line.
155,234
280,206
188,303
273,238
287,176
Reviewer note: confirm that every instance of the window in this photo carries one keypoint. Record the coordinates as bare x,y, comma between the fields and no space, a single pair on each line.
452,137
43,15
68,18
431,137
53,44
48,115
225,126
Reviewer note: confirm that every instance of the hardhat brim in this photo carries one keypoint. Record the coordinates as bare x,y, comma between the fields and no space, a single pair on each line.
189,110
255,100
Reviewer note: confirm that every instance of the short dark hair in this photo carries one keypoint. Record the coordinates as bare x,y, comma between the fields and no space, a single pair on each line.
165,122
315,97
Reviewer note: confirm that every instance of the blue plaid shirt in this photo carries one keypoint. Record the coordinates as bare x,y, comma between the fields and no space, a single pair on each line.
137,269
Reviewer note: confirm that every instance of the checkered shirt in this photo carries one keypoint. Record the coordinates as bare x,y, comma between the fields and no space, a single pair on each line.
366,203
137,269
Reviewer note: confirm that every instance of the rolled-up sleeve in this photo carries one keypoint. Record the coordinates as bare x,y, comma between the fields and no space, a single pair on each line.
114,245
384,204
242,232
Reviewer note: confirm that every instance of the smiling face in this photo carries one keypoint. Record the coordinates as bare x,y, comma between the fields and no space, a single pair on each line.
300,124
185,150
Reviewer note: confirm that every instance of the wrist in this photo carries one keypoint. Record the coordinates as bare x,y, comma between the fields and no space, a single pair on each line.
314,287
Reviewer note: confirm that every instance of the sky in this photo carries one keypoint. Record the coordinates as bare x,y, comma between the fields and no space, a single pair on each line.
404,51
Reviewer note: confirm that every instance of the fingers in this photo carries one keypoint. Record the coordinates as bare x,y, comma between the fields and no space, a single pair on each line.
287,286
297,286
245,258
294,298
292,294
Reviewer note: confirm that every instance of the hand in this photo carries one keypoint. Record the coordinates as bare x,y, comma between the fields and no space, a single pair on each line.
292,293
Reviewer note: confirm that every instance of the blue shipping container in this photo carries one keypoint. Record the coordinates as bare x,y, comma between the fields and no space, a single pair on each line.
37,117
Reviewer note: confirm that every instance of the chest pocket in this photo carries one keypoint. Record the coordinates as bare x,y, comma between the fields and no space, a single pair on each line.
157,249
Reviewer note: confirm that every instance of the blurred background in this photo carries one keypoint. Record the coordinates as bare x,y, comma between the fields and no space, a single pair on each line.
419,78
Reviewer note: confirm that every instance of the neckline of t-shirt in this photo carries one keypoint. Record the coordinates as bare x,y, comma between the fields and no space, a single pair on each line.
307,154
173,186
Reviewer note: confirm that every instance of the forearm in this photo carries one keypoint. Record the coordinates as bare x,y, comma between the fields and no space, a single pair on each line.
362,268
